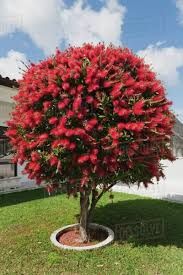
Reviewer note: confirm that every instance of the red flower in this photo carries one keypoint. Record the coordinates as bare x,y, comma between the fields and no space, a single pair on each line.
116,91
93,158
121,126
89,99
66,86
72,146
134,126
77,103
91,124
43,137
108,84
62,104
53,161
70,114
114,133
35,156
100,128
11,132
53,120
129,92
46,105
83,159
138,108
69,132
73,91
123,112
37,116
80,88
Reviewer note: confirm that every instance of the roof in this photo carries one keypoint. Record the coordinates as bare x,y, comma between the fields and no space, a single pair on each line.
6,81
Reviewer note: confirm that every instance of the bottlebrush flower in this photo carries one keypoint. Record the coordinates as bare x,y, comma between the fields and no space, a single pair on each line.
116,91
72,146
43,137
46,105
53,161
114,133
80,88
138,108
53,120
62,104
93,87
107,84
89,99
91,124
37,116
11,132
100,128
129,92
69,132
76,76
102,74
123,112
121,126
80,116
134,126
77,103
69,114
83,159
66,86
93,158
35,156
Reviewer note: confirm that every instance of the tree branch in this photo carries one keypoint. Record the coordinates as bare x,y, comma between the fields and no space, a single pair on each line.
95,199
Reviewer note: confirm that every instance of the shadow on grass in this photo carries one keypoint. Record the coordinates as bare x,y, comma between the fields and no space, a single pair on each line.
132,212
23,196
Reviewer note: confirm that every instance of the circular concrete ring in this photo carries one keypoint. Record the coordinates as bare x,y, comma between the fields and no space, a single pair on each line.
54,236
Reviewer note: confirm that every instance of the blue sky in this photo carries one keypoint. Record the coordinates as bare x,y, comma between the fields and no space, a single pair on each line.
31,30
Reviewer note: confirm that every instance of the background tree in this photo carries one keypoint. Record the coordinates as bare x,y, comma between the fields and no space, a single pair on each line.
89,117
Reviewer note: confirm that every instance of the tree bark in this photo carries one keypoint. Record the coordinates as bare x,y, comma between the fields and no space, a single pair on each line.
95,199
87,209
92,206
84,204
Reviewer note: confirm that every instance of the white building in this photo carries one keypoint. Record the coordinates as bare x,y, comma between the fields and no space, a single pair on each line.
11,177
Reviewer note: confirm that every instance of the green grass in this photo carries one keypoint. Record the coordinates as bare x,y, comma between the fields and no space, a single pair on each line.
28,218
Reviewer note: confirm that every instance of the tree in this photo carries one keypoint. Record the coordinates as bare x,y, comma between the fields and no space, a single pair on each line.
89,117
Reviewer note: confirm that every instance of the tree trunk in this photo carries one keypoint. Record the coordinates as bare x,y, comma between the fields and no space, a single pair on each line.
92,206
84,204
86,212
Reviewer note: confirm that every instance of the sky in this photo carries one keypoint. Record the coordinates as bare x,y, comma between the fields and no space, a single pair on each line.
31,30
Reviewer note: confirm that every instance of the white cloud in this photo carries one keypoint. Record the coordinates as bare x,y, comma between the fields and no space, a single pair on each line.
40,19
51,22
10,65
166,61
179,5
82,24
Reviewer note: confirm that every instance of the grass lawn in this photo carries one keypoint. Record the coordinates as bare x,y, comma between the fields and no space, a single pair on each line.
28,218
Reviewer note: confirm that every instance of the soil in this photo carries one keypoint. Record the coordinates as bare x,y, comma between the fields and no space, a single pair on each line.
72,237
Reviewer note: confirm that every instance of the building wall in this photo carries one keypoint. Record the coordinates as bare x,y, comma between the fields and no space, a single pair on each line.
6,103
5,109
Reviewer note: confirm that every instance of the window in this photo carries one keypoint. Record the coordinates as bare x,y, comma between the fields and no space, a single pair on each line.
7,169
